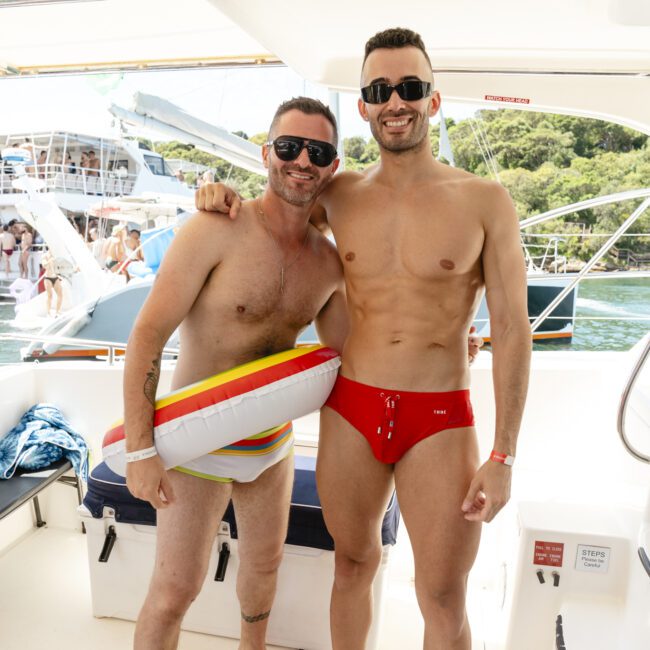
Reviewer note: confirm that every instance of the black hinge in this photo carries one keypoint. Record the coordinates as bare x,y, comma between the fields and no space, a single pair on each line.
109,541
224,556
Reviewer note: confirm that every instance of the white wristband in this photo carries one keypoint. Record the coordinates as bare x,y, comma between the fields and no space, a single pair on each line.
140,454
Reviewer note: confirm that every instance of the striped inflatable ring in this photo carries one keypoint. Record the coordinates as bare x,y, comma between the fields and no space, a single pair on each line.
233,405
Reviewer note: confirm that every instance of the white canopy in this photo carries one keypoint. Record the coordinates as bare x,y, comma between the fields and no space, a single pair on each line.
96,35
589,57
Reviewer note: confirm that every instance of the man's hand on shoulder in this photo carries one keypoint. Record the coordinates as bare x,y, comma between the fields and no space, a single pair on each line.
217,197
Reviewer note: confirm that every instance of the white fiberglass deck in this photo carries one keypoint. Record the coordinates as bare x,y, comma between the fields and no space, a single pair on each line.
572,478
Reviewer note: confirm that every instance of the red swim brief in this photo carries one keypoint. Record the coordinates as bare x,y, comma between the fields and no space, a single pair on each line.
392,421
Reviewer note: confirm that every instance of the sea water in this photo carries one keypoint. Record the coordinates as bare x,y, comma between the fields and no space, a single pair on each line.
625,300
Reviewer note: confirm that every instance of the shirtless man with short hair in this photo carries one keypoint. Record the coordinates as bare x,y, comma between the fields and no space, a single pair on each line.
7,243
241,290
419,242
93,164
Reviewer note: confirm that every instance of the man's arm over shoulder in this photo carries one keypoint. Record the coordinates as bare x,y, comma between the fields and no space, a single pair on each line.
193,254
332,322
510,337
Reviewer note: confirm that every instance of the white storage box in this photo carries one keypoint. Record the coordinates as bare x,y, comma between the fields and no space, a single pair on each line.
122,531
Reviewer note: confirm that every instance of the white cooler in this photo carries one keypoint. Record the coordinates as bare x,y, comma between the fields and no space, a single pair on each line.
121,536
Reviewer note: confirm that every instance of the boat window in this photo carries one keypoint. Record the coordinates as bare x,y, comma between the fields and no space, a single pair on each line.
157,166
117,164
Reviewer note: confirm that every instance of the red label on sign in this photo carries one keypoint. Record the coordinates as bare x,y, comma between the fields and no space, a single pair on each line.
510,100
548,553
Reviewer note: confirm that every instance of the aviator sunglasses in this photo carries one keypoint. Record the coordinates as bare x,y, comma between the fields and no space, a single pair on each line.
410,91
288,147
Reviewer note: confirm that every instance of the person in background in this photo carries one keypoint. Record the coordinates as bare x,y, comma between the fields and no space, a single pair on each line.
132,244
93,164
115,248
70,165
25,250
96,246
7,244
40,164
52,281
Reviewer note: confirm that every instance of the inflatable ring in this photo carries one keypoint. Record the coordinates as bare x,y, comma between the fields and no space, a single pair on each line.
233,405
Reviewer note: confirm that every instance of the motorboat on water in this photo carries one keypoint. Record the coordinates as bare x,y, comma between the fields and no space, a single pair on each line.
565,565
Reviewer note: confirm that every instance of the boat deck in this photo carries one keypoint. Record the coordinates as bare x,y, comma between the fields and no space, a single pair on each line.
573,484
46,600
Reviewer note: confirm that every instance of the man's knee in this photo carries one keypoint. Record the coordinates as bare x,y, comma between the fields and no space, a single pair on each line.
356,565
172,598
264,561
443,606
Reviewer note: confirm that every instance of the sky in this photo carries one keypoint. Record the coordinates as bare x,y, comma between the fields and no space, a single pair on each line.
235,99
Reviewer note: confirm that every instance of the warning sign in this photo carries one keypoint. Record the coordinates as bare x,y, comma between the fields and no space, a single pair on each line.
593,558
548,553
509,100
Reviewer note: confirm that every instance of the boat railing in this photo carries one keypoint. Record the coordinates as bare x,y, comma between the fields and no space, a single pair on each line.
550,257
625,398
643,194
60,178
111,347
545,254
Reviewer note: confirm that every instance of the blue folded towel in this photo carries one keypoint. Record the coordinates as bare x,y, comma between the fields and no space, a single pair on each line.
42,437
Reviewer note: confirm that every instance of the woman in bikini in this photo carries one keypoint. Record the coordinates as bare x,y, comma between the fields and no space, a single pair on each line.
25,250
52,281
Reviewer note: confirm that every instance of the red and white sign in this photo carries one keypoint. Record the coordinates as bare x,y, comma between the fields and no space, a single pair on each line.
509,100
548,553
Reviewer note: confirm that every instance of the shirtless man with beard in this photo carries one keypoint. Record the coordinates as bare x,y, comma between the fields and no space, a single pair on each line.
240,290
419,242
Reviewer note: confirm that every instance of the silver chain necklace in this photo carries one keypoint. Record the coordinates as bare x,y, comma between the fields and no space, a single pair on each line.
283,267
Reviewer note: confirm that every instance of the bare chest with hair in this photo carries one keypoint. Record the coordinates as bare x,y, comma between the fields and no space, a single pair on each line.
249,308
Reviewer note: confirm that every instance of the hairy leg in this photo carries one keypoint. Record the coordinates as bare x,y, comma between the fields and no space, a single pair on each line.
432,479
354,489
262,510
185,533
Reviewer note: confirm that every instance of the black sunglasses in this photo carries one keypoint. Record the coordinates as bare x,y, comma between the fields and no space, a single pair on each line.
410,91
288,147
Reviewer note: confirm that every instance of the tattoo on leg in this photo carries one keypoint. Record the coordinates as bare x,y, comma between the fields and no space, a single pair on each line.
256,618
151,382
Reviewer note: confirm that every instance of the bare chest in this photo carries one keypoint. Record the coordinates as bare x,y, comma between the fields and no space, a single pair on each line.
254,291
431,237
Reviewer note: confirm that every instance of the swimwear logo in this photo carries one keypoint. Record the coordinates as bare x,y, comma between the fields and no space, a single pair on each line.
439,412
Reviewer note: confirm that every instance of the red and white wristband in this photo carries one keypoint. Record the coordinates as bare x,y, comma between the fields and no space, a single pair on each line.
504,459
140,454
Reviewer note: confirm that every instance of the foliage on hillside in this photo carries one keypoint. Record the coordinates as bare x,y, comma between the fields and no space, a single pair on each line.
544,160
